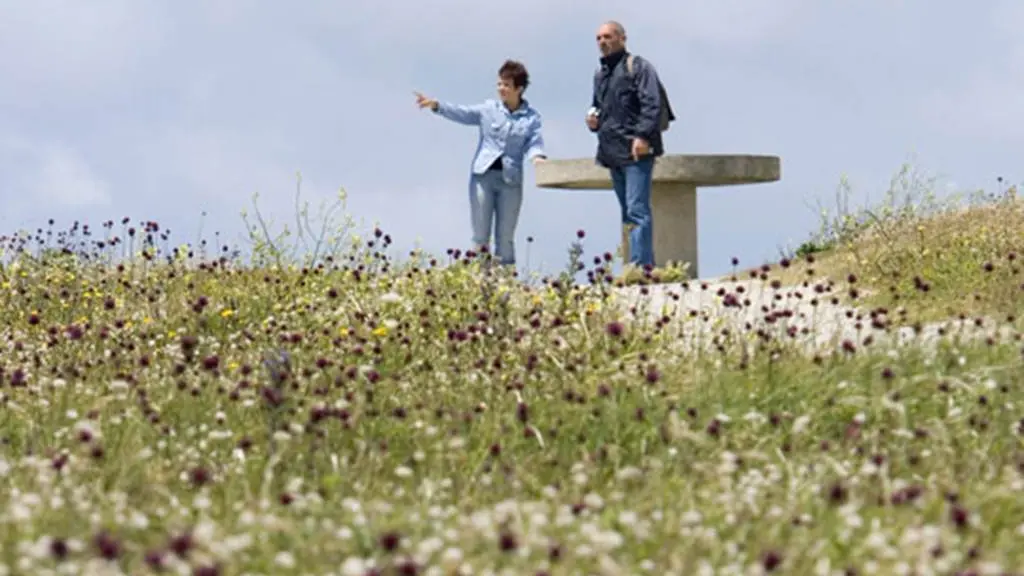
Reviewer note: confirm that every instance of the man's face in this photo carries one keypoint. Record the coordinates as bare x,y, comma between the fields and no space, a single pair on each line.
609,40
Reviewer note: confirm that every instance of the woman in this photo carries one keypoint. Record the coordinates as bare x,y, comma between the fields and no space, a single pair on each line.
510,132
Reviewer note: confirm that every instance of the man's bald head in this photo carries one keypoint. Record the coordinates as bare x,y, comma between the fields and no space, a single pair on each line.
618,27
611,37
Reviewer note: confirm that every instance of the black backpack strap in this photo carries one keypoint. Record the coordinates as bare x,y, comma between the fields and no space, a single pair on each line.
631,67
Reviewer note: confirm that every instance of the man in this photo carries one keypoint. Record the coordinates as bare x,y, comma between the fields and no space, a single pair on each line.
626,114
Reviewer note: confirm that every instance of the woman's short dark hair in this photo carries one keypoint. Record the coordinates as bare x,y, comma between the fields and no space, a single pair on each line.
514,72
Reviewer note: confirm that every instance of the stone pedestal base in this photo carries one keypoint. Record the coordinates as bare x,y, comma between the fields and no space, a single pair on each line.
674,208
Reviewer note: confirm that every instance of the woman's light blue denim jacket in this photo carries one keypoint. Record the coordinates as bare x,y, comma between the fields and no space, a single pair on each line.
514,135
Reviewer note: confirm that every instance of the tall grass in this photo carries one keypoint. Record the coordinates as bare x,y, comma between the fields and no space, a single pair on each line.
328,408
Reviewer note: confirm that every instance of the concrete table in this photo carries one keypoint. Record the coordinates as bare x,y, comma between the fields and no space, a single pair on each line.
673,193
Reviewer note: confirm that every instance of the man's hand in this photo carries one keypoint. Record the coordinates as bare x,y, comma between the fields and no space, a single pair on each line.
640,148
592,121
424,102
539,160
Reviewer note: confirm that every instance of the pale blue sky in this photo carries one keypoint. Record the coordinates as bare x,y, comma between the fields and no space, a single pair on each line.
166,109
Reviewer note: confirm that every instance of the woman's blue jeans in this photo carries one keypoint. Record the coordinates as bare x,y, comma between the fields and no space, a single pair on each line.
494,201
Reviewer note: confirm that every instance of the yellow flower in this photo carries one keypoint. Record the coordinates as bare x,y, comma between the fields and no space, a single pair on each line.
343,331
536,300
5,285
226,313
172,334
233,366
380,331
147,320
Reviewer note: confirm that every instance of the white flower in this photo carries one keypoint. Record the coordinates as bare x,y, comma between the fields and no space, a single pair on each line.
628,518
87,427
593,501
285,559
629,473
801,423
353,566
451,559
428,547
390,298
691,518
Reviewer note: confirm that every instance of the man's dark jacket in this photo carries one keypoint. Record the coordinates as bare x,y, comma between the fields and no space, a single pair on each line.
629,107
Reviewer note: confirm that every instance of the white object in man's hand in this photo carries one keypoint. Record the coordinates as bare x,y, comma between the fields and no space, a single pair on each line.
592,118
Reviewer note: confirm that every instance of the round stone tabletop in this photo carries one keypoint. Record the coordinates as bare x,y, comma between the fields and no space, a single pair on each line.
694,169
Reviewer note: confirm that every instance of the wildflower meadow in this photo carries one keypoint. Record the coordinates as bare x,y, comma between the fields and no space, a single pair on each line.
324,405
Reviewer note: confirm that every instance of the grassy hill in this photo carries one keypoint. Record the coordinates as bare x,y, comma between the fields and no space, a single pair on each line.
938,259
927,258
358,416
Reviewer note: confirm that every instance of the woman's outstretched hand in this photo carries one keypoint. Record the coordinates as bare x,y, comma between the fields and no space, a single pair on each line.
424,102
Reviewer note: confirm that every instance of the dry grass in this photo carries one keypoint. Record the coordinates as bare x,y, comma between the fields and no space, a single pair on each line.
932,259
954,262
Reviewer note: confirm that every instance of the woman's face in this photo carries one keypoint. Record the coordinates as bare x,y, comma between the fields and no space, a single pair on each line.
507,91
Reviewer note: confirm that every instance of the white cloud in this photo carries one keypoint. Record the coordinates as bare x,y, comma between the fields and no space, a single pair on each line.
984,102
67,179
729,23
986,106
58,47
419,29
54,175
